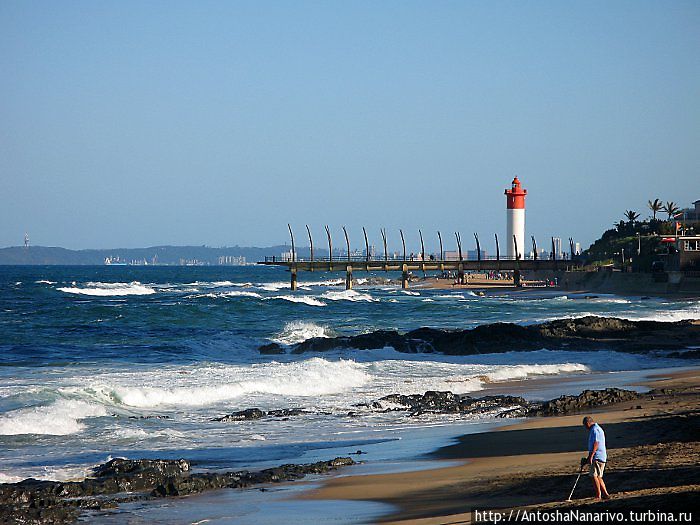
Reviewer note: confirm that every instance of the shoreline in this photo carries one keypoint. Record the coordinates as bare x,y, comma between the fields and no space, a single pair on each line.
580,283
533,462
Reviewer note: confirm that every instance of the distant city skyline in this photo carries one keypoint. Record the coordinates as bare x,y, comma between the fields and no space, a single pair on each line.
127,125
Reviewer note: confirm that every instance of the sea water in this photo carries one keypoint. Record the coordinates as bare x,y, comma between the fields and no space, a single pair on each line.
100,362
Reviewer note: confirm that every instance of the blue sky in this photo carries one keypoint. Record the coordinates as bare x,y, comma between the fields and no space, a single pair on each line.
127,124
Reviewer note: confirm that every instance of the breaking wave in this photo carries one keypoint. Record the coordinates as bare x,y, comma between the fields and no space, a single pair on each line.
299,331
231,293
313,377
305,299
58,419
511,372
109,289
348,295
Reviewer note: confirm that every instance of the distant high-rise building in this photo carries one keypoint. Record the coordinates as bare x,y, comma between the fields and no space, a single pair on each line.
557,247
231,260
472,255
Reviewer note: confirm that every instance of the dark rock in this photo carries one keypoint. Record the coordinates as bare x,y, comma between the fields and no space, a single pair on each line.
271,349
584,401
585,333
286,412
506,406
448,403
44,502
256,413
242,415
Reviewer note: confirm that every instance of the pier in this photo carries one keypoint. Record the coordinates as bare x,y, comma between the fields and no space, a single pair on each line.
419,262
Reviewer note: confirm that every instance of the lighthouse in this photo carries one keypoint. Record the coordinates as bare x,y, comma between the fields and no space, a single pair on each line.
515,229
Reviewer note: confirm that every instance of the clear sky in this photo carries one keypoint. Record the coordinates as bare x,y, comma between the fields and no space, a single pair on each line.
126,124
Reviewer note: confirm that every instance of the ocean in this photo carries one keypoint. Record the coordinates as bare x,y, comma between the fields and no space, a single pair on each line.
120,361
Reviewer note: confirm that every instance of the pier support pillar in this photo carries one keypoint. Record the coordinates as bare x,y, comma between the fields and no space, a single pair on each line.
293,271
460,274
516,279
404,277
348,278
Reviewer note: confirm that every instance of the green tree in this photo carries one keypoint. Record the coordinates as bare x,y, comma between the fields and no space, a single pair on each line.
631,216
670,209
655,206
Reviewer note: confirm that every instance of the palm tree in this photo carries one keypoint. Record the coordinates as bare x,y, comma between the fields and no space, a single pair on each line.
631,216
655,206
670,209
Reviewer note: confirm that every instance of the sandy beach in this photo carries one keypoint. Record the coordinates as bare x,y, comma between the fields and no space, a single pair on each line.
653,447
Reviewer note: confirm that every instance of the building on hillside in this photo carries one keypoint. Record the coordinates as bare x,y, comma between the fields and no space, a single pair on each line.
683,254
690,215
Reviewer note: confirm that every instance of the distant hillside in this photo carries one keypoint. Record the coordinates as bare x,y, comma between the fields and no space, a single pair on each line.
170,255
629,238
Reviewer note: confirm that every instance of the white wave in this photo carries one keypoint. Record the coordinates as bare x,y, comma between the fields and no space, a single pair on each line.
610,300
6,478
299,331
451,296
427,300
670,313
276,286
327,282
44,281
138,434
109,289
348,295
218,284
686,312
272,287
305,299
506,373
58,419
420,374
230,293
207,284
409,292
207,386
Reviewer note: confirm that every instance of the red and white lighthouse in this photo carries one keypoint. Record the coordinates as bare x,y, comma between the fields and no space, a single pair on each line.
515,226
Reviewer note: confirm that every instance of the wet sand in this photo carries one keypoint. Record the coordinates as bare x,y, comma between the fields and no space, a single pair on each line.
653,447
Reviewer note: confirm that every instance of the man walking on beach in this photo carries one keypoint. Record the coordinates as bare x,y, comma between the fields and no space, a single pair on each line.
597,456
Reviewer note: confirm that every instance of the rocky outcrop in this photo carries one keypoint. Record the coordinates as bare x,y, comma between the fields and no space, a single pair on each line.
502,406
585,400
42,502
433,402
271,349
256,413
445,402
585,333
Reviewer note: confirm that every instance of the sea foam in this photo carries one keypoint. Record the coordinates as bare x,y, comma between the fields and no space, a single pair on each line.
208,386
299,331
61,418
348,295
304,299
109,289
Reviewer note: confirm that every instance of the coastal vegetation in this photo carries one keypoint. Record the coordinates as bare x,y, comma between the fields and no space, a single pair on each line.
637,242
